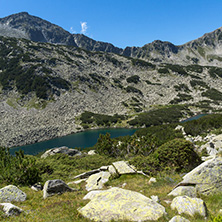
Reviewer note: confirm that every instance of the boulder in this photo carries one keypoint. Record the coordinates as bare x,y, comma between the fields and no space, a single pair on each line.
11,193
179,219
189,191
63,149
123,167
189,206
10,209
206,177
52,187
121,204
96,181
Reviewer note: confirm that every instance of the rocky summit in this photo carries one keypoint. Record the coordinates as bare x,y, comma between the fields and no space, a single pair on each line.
50,77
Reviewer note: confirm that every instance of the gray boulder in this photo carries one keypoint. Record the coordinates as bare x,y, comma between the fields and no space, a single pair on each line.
189,206
37,187
11,193
63,149
52,187
10,209
120,204
206,177
189,191
179,219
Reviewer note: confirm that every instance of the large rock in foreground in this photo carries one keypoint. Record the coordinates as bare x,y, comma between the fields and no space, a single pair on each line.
52,187
11,193
206,177
120,204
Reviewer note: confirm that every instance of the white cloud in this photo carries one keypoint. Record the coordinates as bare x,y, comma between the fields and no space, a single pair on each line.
84,27
72,30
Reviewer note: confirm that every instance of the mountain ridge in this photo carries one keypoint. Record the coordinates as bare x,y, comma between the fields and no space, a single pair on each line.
206,50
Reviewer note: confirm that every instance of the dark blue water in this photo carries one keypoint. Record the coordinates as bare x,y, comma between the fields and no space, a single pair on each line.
82,140
193,118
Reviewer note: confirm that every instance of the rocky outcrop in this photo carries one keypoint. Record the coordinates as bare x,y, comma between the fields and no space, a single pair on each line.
189,206
63,150
121,204
206,177
10,209
52,187
12,193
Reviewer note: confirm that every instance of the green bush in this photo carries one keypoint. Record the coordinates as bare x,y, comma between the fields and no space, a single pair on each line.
18,169
213,94
175,155
133,79
132,89
217,219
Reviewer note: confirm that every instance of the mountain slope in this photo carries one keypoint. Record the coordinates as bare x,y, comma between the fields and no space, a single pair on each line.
45,87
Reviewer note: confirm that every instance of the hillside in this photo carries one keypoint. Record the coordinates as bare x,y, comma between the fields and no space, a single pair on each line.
46,87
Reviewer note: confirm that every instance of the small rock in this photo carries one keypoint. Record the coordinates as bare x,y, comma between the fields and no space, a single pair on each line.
10,209
123,167
87,174
96,181
104,168
179,219
188,205
112,170
124,184
92,152
155,198
11,193
152,180
53,187
37,187
77,182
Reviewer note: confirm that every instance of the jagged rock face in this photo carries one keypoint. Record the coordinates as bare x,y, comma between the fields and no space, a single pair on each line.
35,29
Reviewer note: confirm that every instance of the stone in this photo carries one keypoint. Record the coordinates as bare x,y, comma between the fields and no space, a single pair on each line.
155,198
189,206
178,219
52,187
189,191
123,167
92,152
10,209
96,181
11,193
112,170
152,180
104,168
37,187
206,177
87,174
77,181
63,149
120,204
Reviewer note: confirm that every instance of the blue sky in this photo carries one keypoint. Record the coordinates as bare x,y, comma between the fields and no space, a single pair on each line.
126,22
